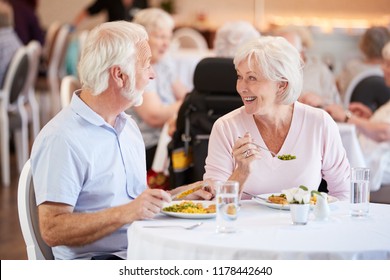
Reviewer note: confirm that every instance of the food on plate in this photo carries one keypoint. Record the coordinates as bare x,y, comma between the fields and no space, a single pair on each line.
286,157
278,199
281,199
188,192
190,207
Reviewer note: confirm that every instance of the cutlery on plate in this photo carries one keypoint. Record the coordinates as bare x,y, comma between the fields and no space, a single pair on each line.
177,226
255,196
185,193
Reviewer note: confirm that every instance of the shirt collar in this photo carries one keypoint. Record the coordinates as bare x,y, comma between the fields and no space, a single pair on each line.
84,111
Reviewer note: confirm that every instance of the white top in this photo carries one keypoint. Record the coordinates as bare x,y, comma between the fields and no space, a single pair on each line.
265,233
313,138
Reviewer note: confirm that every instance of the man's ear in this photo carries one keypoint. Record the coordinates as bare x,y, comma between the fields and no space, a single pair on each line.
117,76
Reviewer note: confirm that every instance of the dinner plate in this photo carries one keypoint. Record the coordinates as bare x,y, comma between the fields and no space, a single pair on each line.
263,200
190,215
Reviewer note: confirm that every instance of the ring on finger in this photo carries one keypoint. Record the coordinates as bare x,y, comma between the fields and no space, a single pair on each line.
247,153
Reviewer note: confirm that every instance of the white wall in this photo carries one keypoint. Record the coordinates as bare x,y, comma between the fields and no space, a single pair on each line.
259,12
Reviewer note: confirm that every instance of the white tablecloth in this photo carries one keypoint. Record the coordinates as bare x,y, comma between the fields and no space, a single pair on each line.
266,233
352,145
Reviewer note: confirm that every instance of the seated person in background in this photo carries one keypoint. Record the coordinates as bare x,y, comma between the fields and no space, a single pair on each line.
116,10
319,84
374,129
9,41
269,81
88,162
27,24
164,95
232,35
228,38
370,45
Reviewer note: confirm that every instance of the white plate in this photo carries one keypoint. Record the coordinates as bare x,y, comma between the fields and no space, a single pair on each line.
331,199
190,215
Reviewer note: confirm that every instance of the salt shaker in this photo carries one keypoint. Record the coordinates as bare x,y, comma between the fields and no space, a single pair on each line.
321,209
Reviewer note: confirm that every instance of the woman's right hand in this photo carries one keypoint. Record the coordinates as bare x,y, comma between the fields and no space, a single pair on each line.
244,152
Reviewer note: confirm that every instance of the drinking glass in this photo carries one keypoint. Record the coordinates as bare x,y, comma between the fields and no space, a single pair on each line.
227,205
360,191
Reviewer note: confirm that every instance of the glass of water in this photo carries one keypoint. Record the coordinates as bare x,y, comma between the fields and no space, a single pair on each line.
227,205
360,191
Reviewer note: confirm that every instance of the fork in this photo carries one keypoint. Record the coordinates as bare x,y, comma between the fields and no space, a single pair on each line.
261,147
178,226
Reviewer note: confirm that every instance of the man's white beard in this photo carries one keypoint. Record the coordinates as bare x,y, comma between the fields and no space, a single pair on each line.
138,100
136,97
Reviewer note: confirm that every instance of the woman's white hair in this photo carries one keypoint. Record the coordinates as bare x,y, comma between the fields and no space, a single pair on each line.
110,44
277,60
153,19
231,36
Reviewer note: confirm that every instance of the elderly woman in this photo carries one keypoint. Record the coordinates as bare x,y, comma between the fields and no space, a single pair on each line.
163,95
374,130
269,81
230,36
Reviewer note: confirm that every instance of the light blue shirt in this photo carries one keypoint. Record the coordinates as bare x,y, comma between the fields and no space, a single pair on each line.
80,160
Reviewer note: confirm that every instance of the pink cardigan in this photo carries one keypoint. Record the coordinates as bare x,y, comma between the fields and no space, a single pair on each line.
313,138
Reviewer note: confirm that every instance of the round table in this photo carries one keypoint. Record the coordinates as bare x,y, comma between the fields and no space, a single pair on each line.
265,233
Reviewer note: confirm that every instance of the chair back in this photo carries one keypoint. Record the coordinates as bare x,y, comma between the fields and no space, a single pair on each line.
37,249
213,96
356,80
13,116
189,38
56,67
34,50
68,85
16,76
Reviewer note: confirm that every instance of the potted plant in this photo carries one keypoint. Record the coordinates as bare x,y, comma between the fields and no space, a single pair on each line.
299,201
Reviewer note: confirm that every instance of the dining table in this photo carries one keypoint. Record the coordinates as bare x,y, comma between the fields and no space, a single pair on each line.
266,233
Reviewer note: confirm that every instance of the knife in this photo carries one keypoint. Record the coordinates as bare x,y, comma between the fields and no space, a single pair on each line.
255,196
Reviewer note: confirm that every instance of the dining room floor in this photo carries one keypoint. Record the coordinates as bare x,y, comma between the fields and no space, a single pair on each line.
12,246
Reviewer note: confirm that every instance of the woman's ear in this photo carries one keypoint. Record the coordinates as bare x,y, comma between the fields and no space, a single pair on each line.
282,86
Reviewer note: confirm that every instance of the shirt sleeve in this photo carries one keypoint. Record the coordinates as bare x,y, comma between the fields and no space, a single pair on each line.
335,166
56,171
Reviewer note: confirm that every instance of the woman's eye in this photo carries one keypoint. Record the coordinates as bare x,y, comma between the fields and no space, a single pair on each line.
239,77
251,78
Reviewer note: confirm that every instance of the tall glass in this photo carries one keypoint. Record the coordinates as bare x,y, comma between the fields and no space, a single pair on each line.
360,191
227,205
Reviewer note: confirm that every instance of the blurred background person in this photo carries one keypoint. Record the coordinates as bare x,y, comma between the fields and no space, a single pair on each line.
27,24
163,95
374,130
116,10
371,44
319,84
269,81
9,41
231,35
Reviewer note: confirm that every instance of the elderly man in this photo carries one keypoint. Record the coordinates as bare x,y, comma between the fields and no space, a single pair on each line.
88,162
